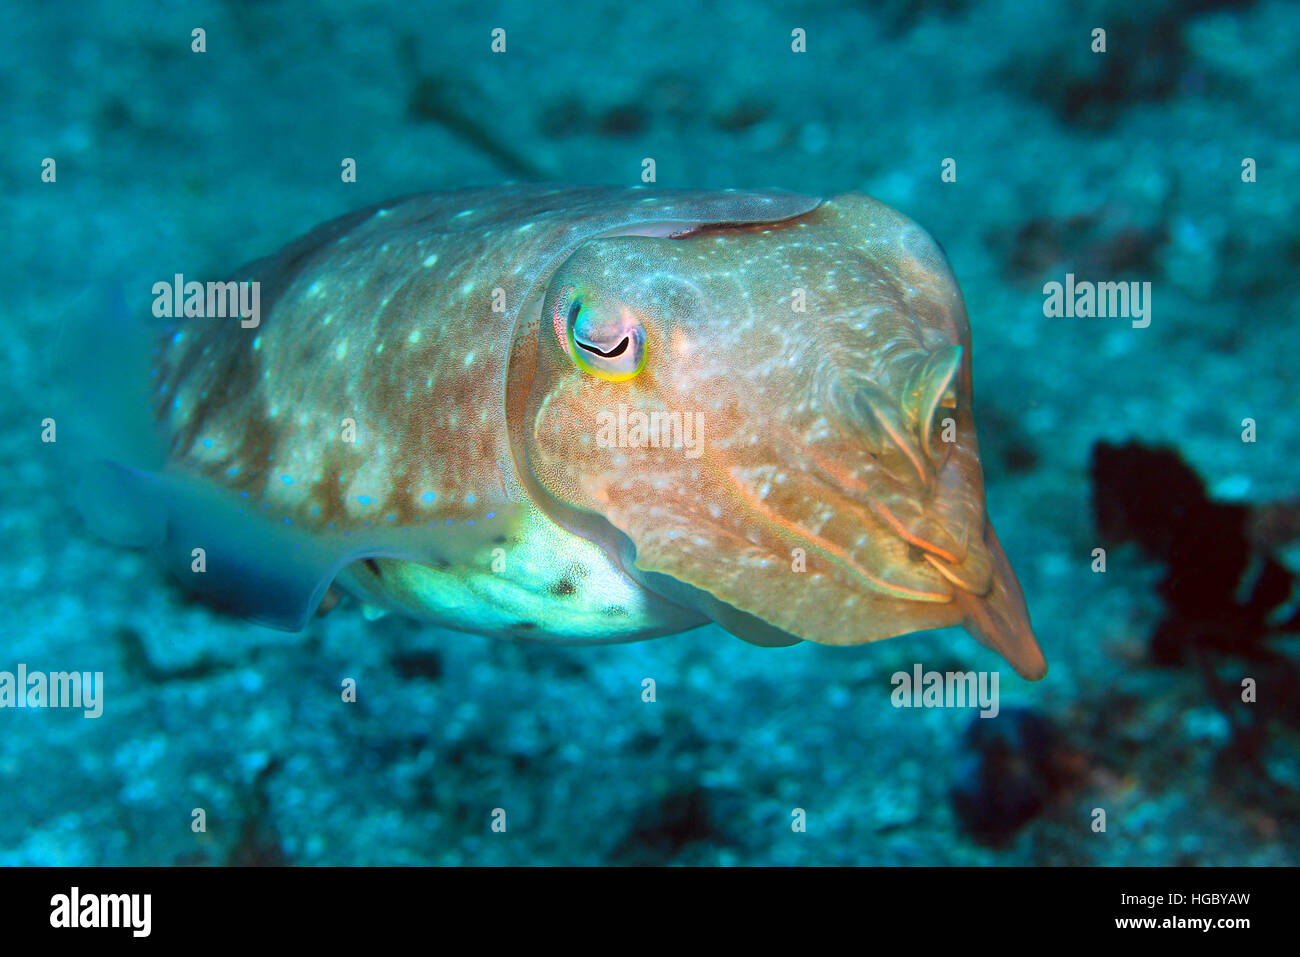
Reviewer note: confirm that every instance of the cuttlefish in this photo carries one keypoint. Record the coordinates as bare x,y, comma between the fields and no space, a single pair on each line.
585,415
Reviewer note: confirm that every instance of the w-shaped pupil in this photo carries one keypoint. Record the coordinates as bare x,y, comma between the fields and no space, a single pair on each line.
618,350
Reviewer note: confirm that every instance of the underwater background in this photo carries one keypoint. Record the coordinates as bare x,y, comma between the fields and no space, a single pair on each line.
1123,165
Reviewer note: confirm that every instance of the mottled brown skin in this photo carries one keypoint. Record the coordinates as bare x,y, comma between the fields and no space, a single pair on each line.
823,431
824,449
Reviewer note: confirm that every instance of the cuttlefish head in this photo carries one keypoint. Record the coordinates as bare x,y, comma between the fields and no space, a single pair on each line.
772,424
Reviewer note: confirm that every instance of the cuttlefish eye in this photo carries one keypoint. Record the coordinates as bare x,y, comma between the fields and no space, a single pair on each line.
605,341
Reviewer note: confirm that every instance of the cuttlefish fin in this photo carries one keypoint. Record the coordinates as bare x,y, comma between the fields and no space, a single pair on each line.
252,566
218,546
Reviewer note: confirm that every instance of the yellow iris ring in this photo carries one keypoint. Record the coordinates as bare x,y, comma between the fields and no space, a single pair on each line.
606,374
